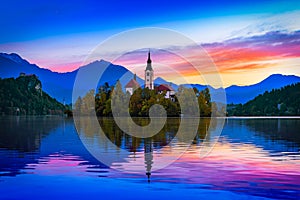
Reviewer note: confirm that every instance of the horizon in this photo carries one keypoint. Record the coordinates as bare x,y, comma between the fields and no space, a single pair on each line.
246,45
156,77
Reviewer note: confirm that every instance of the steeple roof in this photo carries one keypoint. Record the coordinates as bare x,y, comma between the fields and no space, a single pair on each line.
149,61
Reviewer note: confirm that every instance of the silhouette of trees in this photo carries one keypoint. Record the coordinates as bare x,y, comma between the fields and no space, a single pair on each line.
24,96
141,101
278,102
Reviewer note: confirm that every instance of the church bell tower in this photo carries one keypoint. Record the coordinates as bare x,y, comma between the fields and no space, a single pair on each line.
149,74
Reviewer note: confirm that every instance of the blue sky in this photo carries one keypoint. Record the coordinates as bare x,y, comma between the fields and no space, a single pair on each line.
30,20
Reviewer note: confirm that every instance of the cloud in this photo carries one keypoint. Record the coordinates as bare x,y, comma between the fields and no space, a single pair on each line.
254,52
285,22
256,56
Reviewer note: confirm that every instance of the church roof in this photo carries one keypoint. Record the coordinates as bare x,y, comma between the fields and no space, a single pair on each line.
149,67
164,87
132,84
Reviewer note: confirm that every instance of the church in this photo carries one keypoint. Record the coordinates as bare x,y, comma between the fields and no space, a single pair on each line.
149,82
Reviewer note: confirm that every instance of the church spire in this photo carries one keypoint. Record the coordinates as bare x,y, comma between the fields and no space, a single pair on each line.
149,59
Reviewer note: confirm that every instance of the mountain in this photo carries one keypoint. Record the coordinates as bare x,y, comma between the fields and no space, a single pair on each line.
198,86
242,94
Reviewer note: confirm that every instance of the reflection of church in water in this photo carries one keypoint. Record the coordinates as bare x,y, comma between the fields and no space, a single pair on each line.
148,156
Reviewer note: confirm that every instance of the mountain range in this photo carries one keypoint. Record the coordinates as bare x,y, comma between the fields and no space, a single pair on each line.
60,85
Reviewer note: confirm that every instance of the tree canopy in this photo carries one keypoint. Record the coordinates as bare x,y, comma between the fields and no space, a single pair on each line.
141,101
24,96
278,102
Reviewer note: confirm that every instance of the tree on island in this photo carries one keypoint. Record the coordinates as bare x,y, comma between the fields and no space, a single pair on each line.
141,101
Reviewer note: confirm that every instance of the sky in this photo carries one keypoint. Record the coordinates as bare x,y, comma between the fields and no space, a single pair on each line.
247,40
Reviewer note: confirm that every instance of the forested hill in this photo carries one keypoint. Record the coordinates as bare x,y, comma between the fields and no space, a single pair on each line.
24,96
278,102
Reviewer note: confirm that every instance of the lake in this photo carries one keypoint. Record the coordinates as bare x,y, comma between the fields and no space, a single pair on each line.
48,158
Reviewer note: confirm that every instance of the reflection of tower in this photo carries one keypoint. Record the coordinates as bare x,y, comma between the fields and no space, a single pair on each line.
148,156
149,74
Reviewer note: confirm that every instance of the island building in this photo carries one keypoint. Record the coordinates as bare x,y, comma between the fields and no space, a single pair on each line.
149,82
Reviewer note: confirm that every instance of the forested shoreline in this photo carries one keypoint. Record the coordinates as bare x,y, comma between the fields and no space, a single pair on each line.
24,96
278,102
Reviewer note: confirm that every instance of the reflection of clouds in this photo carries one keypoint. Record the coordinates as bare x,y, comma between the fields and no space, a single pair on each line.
234,167
57,164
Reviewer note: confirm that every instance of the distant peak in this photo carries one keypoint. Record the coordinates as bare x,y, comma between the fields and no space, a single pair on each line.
276,76
14,57
273,79
104,61
160,78
100,61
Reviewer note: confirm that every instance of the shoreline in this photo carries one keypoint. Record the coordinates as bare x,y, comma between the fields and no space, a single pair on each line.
225,117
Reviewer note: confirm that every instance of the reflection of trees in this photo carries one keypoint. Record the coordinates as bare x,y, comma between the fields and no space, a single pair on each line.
164,137
276,129
20,139
108,143
86,126
202,129
117,136
24,134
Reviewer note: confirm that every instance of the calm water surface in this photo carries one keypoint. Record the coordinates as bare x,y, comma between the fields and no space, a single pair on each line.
44,158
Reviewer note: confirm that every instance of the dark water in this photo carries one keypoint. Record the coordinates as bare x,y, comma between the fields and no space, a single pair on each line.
44,158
